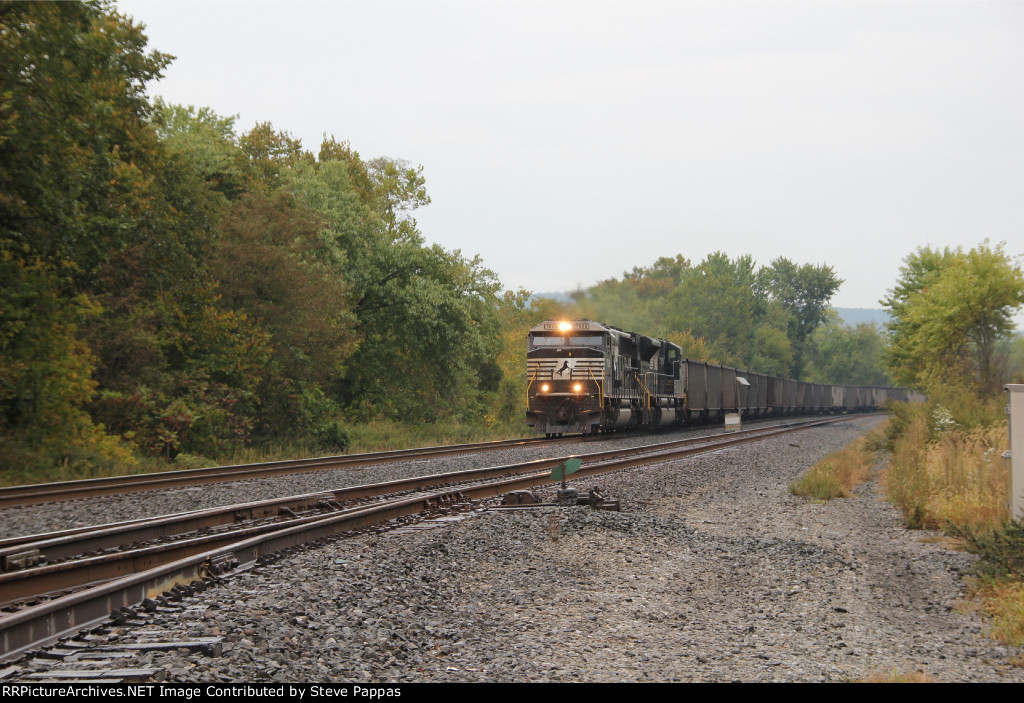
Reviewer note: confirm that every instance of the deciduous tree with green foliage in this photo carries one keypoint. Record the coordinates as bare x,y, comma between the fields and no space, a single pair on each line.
949,310
804,292
715,301
847,354
76,152
191,289
78,185
425,317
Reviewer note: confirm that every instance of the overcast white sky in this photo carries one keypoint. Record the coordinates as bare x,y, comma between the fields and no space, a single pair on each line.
566,142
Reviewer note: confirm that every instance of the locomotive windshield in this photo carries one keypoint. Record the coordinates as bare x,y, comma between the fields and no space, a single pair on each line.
537,340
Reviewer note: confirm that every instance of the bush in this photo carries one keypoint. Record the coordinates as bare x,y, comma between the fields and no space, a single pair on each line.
956,477
183,462
820,482
1001,550
1000,586
85,451
331,436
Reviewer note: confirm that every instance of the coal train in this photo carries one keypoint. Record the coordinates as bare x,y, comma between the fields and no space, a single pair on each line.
587,377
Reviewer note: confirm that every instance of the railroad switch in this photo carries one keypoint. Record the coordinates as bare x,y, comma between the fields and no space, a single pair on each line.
520,498
568,496
565,497
596,499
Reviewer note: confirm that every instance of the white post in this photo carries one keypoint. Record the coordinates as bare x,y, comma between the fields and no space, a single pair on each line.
1015,455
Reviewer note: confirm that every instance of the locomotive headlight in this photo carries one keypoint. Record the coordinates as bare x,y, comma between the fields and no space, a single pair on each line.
544,388
564,326
578,387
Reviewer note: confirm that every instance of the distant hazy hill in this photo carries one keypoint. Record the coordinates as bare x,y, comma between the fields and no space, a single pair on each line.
560,297
854,316
850,316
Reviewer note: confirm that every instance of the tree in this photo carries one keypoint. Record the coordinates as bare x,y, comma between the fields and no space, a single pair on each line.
803,291
426,317
721,308
1011,355
949,310
269,267
77,157
94,213
847,354
715,300
659,279
617,303
398,189
771,352
46,374
270,154
207,143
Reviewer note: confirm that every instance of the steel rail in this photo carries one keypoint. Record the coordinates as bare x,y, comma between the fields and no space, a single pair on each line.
49,621
31,494
50,547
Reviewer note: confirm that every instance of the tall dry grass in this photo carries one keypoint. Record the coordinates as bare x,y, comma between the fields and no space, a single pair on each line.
900,676
1002,600
839,473
948,475
946,471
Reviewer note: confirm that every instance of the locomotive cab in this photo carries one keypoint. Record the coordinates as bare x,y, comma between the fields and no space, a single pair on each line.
583,376
565,364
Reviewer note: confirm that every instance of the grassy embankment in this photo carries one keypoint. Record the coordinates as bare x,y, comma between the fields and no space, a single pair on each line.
366,437
945,472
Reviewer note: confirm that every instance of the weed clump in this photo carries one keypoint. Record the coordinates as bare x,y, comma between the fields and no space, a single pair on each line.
945,470
897,676
839,473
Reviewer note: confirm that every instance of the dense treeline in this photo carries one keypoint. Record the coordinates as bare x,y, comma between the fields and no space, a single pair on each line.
170,286
774,319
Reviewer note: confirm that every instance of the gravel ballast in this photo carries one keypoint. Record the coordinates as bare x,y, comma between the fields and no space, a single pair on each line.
51,517
713,571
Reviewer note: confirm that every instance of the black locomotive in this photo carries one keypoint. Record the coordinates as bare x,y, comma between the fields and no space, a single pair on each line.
584,376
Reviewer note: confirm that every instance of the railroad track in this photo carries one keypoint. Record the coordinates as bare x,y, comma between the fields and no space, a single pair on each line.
117,485
191,550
